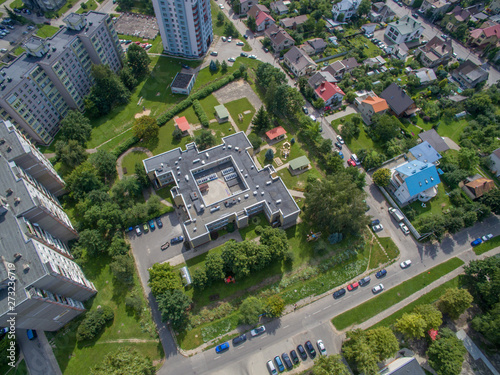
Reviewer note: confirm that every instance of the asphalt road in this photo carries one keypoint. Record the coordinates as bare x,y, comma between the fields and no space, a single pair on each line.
38,354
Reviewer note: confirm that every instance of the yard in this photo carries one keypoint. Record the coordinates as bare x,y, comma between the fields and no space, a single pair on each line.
437,205
46,31
130,160
156,48
218,29
370,49
356,144
89,5
240,106
451,129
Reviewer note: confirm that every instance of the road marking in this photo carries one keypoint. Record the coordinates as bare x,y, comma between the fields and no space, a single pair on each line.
327,307
217,357
314,313
286,326
263,337
239,347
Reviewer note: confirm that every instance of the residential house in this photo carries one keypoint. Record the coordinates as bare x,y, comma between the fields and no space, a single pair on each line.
245,6
435,52
414,180
292,23
347,8
425,153
495,6
280,39
400,51
319,77
276,134
369,28
317,44
434,139
484,37
330,93
374,61
469,74
279,8
404,30
477,186
221,114
261,15
436,7
370,105
339,68
455,18
397,99
403,366
425,75
495,162
381,13
299,62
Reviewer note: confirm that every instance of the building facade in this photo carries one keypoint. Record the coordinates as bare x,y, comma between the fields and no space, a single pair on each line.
44,5
404,30
49,286
185,27
53,76
347,8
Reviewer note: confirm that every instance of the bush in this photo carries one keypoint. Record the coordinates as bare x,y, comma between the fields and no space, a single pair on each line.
200,112
120,149
93,323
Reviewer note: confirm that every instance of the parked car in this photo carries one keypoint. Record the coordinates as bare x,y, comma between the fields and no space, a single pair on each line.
229,39
305,110
302,352
224,38
404,228
186,66
338,145
352,286
487,237
244,54
159,223
381,274
252,57
341,154
221,6
214,53
375,222
364,281
3,50
279,364
151,225
175,240
310,349
266,49
312,117
476,242
240,339
405,264
271,368
222,347
145,228
414,15
295,357
287,361
377,228
31,334
351,163
258,331
339,293
231,59
240,43
340,139
377,288
245,36
321,347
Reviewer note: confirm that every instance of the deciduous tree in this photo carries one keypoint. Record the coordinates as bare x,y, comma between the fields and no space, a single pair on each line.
71,153
328,365
382,177
124,361
455,301
82,180
250,309
122,268
446,354
173,305
163,278
275,305
138,60
411,325
105,163
205,140
75,126
431,314
146,128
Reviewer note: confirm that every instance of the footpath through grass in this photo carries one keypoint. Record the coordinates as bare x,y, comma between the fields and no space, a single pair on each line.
487,246
394,295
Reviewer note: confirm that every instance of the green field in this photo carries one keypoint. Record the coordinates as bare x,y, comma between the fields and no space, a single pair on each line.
91,5
356,144
237,107
46,31
129,161
390,247
394,295
436,205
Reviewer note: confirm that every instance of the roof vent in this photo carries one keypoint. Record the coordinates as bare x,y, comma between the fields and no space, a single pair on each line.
255,192
26,267
278,201
17,256
246,196
8,191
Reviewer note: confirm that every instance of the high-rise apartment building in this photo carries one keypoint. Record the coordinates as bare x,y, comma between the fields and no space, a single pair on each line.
185,26
44,5
41,287
53,76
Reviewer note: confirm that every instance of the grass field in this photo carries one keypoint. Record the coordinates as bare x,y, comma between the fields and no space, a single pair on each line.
91,5
238,107
18,51
131,159
394,295
377,256
390,247
356,144
208,104
487,246
20,369
46,31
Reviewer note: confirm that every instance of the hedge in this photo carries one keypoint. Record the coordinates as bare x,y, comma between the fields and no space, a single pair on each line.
120,149
200,112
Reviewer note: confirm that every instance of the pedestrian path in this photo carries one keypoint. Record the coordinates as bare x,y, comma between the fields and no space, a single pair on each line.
474,351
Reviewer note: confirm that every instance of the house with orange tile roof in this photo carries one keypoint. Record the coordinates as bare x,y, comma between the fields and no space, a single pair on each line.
276,133
182,124
330,93
371,105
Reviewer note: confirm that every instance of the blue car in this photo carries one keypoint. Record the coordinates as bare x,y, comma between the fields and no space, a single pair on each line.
476,242
159,223
380,274
281,368
222,347
341,154
175,240
151,224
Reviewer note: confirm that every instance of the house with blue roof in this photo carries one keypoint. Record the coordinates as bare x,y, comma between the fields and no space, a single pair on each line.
425,153
415,180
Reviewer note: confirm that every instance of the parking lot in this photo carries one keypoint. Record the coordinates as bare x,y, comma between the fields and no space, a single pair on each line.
137,25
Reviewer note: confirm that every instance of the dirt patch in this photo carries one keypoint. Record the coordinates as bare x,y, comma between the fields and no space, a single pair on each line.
143,113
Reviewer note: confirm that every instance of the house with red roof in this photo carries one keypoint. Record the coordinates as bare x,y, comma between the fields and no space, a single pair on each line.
262,17
275,134
183,125
485,37
330,93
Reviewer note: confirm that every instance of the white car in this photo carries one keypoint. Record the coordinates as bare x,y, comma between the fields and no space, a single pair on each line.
404,228
229,39
252,57
377,288
321,347
231,59
224,38
312,117
3,50
221,6
405,264
240,43
214,53
377,227
340,139
258,331
487,237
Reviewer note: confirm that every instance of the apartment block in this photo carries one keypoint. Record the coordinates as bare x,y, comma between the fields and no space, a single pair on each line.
40,284
44,5
53,76
185,26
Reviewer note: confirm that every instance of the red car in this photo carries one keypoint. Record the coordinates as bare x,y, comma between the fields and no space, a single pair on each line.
351,162
353,286
327,108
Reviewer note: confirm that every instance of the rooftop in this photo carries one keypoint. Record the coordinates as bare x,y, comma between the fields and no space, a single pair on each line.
221,111
406,25
327,89
290,22
378,104
299,58
182,123
434,139
299,163
425,153
275,132
397,99
418,176
182,80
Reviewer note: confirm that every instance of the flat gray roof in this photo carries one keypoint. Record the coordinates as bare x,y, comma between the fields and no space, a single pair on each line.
256,186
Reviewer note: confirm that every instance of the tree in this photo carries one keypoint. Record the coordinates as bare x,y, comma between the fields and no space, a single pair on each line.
138,60
146,128
163,278
275,305
364,7
223,66
468,159
214,267
492,200
255,140
385,127
251,23
173,305
124,361
350,130
454,302
230,30
431,315
261,121
382,177
269,154
82,180
205,140
335,204
220,19
489,324
128,78
141,176
75,126
340,17
411,325
266,73
319,103
125,191
122,269
200,279
250,309
93,323
483,280
446,354
105,163
118,246
92,241
328,365
213,66
177,134
70,153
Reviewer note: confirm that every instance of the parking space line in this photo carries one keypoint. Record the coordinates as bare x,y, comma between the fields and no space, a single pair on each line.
217,357
314,313
286,326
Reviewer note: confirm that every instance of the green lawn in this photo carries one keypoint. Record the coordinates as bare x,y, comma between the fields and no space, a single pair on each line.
18,51
219,29
164,193
451,129
487,246
131,159
156,48
298,182
16,4
218,130
208,104
46,31
363,141
237,107
20,369
295,151
248,233
394,295
390,247
377,256
436,205
370,49
77,358
91,5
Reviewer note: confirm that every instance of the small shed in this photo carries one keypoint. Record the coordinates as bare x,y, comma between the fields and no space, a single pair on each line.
182,124
277,133
185,276
221,113
299,164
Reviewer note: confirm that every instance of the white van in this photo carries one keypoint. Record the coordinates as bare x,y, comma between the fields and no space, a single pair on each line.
271,368
312,118
355,158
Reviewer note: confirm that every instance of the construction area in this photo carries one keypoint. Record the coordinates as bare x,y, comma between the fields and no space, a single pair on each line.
138,25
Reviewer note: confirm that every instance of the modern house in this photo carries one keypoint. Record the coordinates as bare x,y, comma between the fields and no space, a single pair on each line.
435,52
261,15
185,27
330,93
482,38
425,75
292,23
404,30
40,280
370,104
495,162
414,180
400,51
339,68
317,44
403,366
245,6
319,77
276,133
234,189
455,18
425,153
346,8
54,76
280,39
477,186
469,74
399,102
279,7
374,61
299,62
183,83
434,139
381,13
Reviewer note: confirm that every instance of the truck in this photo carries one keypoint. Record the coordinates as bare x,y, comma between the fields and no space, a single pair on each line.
396,214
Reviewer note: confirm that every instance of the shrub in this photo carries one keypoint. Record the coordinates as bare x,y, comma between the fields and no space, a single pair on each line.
200,112
93,323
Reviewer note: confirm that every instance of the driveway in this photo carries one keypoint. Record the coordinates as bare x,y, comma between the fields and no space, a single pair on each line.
38,354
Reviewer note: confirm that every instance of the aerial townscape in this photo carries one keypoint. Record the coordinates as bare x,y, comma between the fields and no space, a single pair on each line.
250,187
